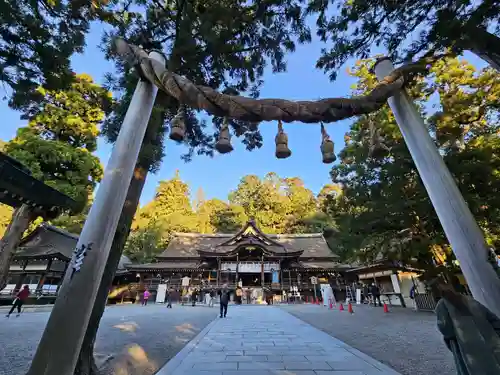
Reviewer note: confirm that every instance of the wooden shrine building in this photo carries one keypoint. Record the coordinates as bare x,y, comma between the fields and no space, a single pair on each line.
250,259
41,261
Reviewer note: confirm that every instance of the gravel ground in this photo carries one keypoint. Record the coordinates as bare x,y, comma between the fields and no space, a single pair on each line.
405,340
139,339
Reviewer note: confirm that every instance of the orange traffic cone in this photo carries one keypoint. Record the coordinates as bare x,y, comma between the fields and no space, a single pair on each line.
349,308
386,308
317,301
331,305
341,307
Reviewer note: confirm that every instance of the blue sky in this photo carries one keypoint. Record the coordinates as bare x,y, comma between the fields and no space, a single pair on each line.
219,175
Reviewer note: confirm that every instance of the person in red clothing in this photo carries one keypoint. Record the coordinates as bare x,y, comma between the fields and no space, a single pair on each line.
19,301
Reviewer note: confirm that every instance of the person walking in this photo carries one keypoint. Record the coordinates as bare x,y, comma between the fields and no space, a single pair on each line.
412,296
375,291
168,297
145,297
194,296
18,302
224,294
207,297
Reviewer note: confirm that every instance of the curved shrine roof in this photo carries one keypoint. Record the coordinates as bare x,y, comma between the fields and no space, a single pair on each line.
188,245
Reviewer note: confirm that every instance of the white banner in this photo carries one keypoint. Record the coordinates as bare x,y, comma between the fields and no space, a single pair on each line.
228,267
270,267
253,267
161,293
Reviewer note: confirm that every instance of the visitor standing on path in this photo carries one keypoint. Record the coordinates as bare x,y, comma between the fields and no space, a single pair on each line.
224,300
412,296
18,302
375,291
212,298
168,297
194,296
145,297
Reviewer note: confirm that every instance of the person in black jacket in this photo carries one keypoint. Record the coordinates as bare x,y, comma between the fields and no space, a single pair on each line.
224,295
194,296
375,291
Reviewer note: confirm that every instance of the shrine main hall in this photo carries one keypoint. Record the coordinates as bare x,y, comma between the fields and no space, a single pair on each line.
250,259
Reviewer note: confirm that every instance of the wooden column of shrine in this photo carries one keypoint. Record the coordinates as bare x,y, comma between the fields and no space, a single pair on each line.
237,269
218,271
262,270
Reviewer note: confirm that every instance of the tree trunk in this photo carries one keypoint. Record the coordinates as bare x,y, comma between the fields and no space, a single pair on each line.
86,363
21,219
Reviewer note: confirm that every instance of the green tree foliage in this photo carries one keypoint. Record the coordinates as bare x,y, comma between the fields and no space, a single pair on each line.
5,217
72,223
263,200
144,244
37,41
58,142
278,205
217,216
170,211
406,28
172,198
384,210
224,44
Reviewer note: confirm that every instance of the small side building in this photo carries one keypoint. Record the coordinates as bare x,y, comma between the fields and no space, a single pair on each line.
41,261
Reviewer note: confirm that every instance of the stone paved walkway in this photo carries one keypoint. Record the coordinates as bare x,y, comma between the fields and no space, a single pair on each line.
265,340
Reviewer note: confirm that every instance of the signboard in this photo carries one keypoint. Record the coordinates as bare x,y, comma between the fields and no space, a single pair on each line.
314,280
374,274
250,267
161,293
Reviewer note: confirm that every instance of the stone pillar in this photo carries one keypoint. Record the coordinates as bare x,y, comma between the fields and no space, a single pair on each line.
460,227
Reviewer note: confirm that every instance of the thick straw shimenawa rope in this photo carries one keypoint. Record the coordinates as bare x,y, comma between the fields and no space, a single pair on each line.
256,110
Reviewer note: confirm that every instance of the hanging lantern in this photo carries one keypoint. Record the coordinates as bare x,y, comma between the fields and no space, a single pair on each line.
223,144
327,147
281,140
178,126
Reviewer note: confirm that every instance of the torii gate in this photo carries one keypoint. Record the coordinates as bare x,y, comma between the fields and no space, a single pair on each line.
60,345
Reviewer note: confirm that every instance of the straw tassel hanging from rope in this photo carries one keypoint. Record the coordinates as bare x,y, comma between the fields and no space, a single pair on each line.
281,140
223,144
327,147
178,126
377,145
